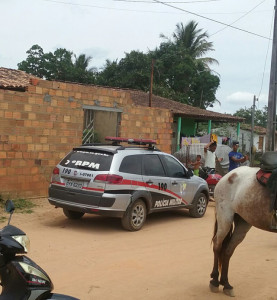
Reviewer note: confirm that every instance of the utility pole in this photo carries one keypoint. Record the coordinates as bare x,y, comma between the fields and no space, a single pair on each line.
252,130
271,116
151,82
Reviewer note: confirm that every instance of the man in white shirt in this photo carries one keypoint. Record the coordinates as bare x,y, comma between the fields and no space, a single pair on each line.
209,155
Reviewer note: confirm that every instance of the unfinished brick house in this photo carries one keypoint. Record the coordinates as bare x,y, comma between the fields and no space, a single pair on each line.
40,121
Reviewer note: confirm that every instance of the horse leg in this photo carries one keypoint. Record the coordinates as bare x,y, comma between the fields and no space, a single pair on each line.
220,232
214,283
239,233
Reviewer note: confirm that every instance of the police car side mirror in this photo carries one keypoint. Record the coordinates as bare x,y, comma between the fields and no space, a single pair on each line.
189,173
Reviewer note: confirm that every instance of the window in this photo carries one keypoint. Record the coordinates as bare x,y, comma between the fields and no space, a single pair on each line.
152,166
131,164
174,168
88,160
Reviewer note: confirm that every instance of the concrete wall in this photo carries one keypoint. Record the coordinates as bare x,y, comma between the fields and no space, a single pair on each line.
39,126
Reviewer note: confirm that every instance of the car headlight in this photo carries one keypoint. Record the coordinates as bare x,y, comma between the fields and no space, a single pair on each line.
23,240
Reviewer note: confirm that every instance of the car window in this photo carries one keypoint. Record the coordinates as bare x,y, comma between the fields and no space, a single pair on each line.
152,166
131,164
89,160
174,168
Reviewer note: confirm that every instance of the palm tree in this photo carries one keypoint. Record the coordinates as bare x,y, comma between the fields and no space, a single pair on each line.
192,42
82,72
82,62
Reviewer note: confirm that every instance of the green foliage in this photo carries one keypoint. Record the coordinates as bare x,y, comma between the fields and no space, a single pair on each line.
34,64
181,69
181,72
133,72
21,205
260,117
60,65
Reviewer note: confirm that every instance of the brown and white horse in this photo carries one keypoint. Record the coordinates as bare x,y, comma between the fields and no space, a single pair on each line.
241,202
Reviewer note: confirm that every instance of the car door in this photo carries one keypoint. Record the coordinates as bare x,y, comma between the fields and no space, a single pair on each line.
155,181
181,186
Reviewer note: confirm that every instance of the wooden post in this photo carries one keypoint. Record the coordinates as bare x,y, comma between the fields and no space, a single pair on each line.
151,83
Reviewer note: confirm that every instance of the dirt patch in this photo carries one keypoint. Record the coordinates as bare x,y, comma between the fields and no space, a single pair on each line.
169,259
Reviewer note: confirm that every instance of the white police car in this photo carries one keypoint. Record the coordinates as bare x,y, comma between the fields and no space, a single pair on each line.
128,182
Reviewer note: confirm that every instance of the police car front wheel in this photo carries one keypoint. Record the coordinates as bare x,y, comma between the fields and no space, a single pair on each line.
199,206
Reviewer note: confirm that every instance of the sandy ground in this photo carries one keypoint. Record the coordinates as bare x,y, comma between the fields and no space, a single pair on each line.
170,258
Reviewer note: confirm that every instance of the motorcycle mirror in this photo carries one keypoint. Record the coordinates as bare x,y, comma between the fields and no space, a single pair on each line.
9,206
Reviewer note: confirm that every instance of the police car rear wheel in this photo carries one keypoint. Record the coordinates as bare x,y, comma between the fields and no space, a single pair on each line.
135,216
199,206
71,214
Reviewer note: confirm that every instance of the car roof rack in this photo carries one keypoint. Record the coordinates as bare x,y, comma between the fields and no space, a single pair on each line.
139,142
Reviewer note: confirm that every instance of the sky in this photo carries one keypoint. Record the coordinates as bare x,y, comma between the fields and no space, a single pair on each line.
107,29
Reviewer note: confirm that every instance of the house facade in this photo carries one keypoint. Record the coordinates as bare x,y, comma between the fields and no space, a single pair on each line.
41,121
244,137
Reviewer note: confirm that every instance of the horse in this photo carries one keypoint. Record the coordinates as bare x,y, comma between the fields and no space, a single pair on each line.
240,203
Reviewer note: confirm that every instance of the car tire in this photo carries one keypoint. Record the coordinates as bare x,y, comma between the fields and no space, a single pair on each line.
71,214
199,206
135,216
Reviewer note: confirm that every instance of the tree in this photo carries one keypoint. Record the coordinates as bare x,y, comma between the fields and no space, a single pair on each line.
260,117
109,76
182,67
132,71
192,42
35,62
61,65
82,70
181,71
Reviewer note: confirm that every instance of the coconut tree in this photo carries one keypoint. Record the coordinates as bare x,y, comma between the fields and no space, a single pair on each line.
193,42
183,67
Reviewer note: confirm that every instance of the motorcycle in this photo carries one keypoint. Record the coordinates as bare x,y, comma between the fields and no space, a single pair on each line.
21,278
211,177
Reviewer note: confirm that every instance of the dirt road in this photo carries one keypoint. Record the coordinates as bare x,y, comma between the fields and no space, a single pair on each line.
169,259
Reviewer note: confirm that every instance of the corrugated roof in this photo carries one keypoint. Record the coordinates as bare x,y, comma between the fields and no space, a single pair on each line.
180,109
14,79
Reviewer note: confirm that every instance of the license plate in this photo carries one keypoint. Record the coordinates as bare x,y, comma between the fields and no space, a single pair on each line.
74,184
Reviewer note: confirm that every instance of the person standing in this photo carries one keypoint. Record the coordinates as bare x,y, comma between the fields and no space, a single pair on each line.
210,157
235,157
196,165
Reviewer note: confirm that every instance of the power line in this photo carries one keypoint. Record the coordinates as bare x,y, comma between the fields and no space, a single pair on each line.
238,18
140,11
266,59
151,2
200,16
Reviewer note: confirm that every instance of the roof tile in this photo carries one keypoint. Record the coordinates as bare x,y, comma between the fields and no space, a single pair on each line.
14,79
181,109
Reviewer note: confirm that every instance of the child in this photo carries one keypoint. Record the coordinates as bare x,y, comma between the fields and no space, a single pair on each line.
196,165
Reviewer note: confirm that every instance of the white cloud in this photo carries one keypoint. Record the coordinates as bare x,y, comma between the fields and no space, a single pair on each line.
237,100
240,97
245,99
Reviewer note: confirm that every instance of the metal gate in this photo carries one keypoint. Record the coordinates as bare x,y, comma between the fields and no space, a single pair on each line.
100,122
88,131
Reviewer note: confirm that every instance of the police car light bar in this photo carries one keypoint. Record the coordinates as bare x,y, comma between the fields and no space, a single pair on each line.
131,141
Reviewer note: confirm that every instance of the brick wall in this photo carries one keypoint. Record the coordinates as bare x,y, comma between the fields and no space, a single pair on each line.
39,126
